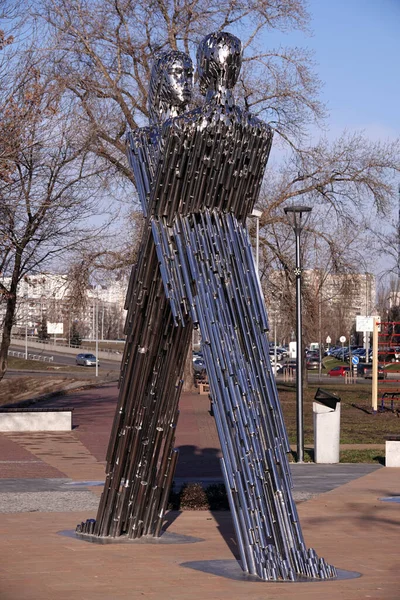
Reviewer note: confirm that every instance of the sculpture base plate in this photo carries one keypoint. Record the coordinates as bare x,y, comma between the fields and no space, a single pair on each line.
231,569
166,537
395,499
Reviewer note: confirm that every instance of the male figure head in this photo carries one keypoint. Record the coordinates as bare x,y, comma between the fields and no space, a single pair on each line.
171,86
219,58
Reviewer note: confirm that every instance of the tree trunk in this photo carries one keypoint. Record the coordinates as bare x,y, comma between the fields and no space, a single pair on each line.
7,327
10,312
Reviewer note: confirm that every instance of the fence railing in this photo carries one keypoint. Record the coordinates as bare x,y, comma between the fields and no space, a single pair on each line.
60,343
17,354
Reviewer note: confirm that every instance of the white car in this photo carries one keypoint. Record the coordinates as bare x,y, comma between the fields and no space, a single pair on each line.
86,360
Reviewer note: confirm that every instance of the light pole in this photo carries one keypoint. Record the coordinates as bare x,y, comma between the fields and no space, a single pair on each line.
97,336
297,217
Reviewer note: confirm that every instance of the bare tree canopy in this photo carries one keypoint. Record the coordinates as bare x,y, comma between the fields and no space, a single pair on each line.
105,49
48,183
65,117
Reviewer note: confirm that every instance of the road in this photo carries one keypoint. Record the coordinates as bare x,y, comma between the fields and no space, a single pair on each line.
69,360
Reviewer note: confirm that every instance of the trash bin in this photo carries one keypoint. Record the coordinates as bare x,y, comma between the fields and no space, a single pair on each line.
326,409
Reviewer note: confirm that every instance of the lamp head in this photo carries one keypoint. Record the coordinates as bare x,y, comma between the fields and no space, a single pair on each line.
297,216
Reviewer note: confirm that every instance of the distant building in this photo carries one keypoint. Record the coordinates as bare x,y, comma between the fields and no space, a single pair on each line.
47,296
331,302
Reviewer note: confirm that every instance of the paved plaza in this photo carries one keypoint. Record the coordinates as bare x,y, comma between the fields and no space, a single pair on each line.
51,481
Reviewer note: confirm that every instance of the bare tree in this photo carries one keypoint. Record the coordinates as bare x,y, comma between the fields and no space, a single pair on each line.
105,49
103,55
350,184
49,189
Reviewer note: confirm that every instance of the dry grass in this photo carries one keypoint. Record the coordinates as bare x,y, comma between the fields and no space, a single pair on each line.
20,364
14,390
358,425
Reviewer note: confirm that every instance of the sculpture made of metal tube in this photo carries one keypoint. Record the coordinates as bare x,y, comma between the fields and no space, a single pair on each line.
196,267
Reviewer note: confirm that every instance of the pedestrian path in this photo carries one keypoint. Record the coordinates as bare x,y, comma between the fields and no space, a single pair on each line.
349,525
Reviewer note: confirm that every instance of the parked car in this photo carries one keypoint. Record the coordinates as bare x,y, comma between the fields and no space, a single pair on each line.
312,363
387,357
280,352
339,371
199,365
275,367
367,372
289,364
86,360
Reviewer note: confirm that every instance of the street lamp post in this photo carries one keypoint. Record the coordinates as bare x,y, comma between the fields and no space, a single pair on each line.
97,336
297,217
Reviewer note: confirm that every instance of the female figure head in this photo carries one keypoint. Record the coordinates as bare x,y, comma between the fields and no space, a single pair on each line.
171,86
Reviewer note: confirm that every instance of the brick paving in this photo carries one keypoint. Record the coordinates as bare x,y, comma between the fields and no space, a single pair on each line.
349,526
16,461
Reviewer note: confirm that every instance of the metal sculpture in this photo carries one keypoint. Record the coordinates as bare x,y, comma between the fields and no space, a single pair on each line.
141,458
206,183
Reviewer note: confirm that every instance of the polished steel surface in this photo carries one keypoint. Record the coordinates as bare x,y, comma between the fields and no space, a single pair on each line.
198,178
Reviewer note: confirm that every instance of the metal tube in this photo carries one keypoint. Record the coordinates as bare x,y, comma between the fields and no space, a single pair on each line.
299,356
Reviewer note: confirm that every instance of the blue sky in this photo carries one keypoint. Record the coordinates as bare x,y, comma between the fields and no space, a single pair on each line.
356,45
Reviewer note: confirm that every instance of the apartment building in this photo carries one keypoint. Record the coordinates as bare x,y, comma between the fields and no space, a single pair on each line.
46,296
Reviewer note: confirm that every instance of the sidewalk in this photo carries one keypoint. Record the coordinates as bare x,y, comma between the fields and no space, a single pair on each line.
348,525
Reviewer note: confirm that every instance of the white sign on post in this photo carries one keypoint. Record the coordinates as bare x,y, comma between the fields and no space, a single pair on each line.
53,328
366,324
342,339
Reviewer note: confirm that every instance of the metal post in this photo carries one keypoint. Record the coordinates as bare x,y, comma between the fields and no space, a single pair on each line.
320,335
97,337
258,244
26,340
299,356
275,356
297,217
375,365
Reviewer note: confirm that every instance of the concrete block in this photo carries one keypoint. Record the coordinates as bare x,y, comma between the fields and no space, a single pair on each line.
326,433
392,453
36,420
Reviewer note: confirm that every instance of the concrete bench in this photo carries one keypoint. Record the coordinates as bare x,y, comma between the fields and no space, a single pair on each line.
35,419
392,451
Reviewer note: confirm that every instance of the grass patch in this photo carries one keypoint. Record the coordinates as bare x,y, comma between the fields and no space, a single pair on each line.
15,390
357,426
20,364
362,456
393,368
329,362
308,455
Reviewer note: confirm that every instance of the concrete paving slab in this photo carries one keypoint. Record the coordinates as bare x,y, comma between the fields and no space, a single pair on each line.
12,502
348,526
